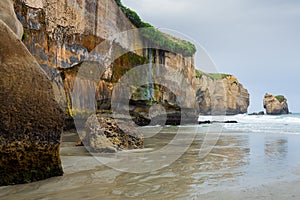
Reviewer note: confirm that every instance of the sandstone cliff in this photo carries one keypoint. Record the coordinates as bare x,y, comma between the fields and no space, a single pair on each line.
275,105
220,94
62,35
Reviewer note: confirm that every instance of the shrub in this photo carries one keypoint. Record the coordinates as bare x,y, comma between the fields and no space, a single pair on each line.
280,98
213,76
156,37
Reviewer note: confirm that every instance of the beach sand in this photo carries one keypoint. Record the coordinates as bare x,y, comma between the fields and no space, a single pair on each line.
231,171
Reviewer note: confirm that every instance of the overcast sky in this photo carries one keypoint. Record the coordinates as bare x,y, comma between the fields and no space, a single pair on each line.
256,40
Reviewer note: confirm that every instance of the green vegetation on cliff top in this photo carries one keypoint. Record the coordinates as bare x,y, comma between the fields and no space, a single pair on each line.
157,38
280,98
213,76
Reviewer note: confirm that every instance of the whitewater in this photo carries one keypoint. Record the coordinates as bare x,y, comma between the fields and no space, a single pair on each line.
268,124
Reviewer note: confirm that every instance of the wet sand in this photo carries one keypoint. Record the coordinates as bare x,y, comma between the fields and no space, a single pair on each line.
241,166
277,190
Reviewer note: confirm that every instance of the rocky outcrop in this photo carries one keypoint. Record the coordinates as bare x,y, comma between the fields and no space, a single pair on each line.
275,105
30,118
105,134
259,113
220,94
62,35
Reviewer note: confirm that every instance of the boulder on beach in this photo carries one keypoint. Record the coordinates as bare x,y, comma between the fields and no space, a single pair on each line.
30,118
275,105
105,134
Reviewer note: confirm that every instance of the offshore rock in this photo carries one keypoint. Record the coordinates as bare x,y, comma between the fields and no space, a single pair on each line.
275,105
105,134
30,118
259,113
220,122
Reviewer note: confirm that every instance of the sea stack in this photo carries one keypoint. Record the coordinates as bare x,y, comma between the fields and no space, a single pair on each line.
275,105
220,94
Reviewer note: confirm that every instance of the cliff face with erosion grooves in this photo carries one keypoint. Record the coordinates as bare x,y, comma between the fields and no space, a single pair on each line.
275,105
63,35
30,118
220,94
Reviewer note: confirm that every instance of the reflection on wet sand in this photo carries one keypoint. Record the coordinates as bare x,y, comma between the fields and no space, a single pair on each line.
190,174
276,148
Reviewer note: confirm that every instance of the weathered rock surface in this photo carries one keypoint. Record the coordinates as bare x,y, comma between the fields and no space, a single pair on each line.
275,105
62,34
105,134
8,16
222,96
30,118
34,3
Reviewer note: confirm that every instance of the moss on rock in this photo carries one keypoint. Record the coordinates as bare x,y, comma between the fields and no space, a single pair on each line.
213,76
156,37
30,118
280,98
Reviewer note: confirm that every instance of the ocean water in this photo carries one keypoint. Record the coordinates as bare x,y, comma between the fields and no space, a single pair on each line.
277,124
273,142
281,124
258,150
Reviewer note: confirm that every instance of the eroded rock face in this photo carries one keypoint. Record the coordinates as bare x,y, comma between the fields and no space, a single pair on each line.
275,105
64,34
225,96
61,34
105,134
31,120
8,16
